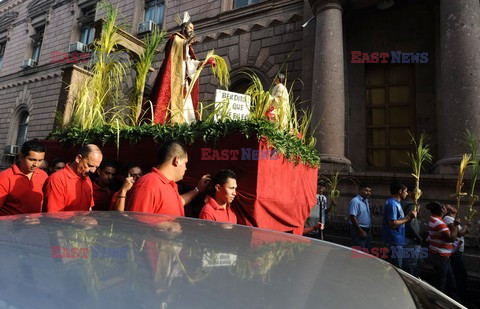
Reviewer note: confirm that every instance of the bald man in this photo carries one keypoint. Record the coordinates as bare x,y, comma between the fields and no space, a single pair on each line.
70,189
157,191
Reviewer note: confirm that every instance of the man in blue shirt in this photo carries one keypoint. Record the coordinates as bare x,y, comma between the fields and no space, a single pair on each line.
360,218
393,223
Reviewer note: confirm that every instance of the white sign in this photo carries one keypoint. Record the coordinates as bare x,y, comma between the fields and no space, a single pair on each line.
237,105
218,259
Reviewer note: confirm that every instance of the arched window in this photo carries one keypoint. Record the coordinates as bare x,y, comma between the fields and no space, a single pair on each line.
23,118
17,135
240,81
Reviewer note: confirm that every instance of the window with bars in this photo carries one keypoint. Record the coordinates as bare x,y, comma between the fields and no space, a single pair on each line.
154,11
86,21
3,45
37,42
22,127
390,114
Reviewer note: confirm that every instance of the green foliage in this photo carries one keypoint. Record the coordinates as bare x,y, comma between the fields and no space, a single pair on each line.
220,71
260,99
98,97
332,181
142,65
417,158
286,143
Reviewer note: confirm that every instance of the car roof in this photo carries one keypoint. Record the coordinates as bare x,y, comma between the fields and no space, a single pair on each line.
142,260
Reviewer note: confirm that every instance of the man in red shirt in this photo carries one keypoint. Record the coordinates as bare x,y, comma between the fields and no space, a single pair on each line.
21,184
218,208
157,191
70,189
102,195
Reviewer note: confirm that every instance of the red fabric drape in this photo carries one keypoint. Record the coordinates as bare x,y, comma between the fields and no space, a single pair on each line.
272,194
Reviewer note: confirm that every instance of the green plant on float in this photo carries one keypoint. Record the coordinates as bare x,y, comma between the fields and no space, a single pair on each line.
286,143
220,71
142,65
104,87
216,111
260,99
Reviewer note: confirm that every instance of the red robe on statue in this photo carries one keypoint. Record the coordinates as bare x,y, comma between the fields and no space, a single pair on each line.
169,90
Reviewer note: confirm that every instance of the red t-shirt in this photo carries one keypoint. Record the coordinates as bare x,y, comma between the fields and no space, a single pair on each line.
211,211
113,203
66,191
20,195
102,197
155,193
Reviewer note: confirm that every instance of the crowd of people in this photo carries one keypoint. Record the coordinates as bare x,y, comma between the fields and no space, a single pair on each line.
401,235
91,182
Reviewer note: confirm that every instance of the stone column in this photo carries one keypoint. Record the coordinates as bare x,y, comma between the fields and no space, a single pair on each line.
328,88
458,103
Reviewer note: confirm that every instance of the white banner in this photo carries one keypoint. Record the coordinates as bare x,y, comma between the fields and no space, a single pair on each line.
238,105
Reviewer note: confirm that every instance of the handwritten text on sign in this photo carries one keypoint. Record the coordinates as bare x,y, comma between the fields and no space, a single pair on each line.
238,104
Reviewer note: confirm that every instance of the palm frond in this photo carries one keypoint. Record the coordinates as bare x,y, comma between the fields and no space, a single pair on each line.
417,158
220,71
142,66
461,172
473,143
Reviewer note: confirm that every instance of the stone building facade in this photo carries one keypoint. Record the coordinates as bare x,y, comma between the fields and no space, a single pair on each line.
363,108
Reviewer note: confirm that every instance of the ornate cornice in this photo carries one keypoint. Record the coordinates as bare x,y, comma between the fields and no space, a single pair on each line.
321,5
8,5
238,29
31,79
36,8
7,19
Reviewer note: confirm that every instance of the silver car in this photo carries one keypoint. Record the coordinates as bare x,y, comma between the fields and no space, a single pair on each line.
135,260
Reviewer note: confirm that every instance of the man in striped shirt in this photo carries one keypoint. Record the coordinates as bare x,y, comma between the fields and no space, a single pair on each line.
441,237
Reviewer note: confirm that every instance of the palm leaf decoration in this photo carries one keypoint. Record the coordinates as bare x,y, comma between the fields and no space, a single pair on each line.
220,70
142,66
472,198
417,159
97,98
461,172
260,98
332,181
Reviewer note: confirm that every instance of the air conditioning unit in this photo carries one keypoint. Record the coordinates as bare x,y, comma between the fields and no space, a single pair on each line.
78,47
11,150
146,26
29,63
